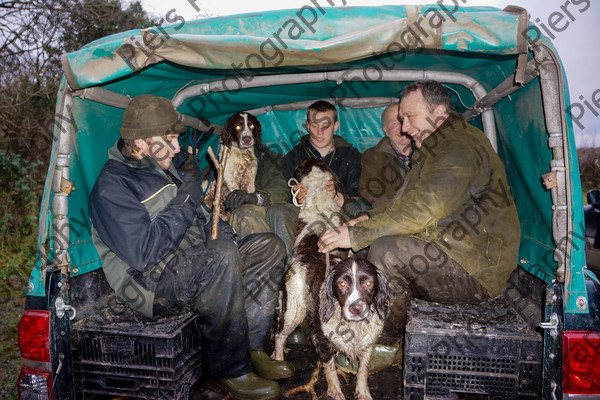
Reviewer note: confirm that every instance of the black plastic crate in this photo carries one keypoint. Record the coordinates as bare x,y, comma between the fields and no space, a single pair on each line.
118,352
483,350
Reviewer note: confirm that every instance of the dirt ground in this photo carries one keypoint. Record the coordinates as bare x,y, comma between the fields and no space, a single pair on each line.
384,385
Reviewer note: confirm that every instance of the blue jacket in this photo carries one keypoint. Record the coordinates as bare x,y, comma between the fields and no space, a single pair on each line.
140,222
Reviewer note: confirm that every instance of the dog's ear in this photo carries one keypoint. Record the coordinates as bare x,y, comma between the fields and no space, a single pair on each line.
336,180
230,134
328,299
257,132
382,296
337,183
302,168
227,134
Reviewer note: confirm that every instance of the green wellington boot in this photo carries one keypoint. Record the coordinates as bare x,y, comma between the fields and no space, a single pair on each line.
297,337
263,366
246,387
381,357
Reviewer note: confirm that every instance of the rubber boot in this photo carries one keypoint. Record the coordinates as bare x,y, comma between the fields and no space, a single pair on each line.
246,387
263,366
381,357
299,335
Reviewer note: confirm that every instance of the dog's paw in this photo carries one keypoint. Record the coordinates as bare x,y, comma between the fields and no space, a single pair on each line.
362,396
335,394
277,356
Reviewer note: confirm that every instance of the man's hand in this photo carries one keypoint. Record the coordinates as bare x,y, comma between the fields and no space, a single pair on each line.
239,197
226,231
191,191
339,198
334,238
339,237
300,193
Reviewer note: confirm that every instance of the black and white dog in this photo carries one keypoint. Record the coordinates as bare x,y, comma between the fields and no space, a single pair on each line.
346,302
242,135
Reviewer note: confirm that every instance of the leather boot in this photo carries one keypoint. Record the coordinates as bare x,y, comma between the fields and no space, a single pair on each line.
263,366
381,357
246,387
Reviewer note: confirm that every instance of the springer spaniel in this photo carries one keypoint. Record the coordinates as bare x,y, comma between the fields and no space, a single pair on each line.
345,302
242,135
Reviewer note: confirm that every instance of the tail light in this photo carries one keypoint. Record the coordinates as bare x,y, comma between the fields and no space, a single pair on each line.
34,384
581,355
34,343
34,335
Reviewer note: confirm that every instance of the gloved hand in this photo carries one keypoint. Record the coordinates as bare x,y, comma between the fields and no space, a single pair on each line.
239,197
194,190
226,231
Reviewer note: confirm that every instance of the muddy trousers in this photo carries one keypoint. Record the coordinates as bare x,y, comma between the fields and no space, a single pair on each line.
415,268
282,219
234,291
279,218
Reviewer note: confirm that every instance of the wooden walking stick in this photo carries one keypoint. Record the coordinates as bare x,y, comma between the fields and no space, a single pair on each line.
217,201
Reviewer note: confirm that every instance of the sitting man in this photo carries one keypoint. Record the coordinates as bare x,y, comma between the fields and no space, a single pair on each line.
324,144
152,231
385,165
451,233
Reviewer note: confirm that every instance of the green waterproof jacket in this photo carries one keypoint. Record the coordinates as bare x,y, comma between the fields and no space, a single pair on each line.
456,196
382,173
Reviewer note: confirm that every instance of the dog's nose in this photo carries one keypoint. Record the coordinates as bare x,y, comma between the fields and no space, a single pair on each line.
357,308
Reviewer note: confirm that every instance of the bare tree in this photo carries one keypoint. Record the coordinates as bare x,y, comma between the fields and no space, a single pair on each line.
33,35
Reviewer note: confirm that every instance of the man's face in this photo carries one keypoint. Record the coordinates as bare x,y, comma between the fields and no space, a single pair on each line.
162,149
393,129
321,127
418,121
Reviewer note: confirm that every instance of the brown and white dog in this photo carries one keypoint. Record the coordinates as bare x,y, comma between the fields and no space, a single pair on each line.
345,302
242,135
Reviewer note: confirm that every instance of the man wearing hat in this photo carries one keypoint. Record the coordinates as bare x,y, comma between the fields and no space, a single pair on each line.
152,231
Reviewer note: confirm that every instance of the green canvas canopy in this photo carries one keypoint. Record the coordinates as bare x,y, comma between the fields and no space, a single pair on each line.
274,64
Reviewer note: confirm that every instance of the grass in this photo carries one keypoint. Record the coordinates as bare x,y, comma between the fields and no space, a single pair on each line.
22,182
17,254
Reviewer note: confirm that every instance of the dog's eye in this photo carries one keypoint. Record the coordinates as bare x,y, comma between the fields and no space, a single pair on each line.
251,126
342,285
368,284
238,127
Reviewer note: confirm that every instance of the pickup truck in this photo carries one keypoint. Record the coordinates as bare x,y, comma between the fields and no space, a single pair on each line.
505,77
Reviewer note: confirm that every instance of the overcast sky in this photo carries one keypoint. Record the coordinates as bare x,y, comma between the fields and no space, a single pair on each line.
575,25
